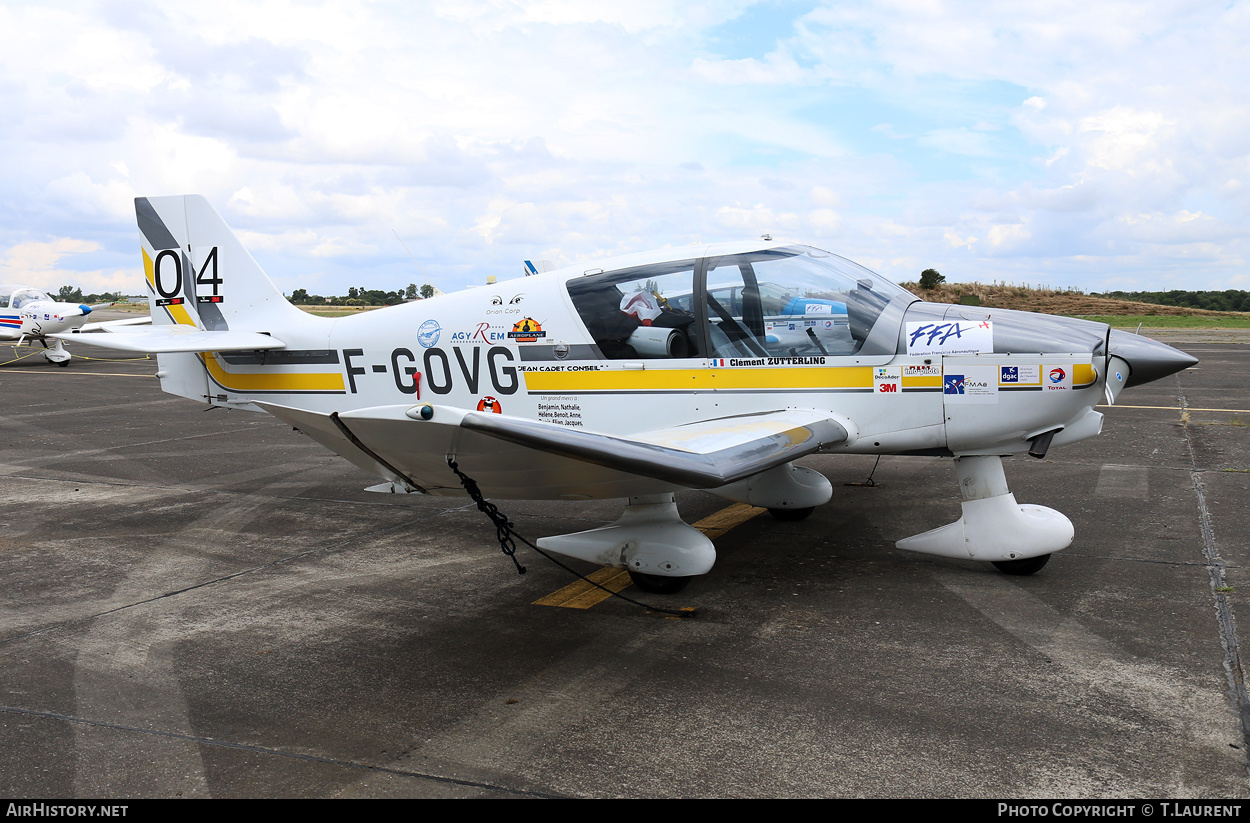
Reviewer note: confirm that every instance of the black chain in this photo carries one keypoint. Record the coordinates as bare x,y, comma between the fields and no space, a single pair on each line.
503,526
505,532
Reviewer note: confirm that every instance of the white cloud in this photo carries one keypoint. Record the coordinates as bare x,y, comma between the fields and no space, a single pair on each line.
1012,137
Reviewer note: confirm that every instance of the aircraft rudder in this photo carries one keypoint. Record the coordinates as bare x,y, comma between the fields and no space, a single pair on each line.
199,273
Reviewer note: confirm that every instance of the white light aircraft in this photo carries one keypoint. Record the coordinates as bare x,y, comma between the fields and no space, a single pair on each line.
705,367
26,313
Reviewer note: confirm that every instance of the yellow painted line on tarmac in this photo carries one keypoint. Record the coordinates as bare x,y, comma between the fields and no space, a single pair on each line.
1174,408
714,525
67,373
582,595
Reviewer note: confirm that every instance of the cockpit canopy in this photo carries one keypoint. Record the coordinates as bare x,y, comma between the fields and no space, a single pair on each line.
781,302
14,297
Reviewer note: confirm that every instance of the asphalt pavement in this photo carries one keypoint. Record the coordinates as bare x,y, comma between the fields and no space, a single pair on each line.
207,604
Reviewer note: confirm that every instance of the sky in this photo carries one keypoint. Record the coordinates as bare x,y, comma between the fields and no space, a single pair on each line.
1085,144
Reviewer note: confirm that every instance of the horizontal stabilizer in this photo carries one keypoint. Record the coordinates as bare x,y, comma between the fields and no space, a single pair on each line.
701,455
162,339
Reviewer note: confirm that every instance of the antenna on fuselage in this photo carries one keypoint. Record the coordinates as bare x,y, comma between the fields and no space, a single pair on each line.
428,280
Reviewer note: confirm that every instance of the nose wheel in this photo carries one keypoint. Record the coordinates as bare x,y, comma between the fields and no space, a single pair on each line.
57,354
1029,565
655,584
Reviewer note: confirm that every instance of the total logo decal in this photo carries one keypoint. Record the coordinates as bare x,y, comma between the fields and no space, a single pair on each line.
1058,378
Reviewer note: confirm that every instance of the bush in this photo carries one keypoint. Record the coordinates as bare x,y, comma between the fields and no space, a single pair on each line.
930,279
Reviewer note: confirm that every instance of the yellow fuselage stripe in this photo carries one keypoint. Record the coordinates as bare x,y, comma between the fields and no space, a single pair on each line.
818,377
847,377
271,381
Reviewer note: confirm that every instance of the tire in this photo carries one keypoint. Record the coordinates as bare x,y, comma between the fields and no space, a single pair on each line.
657,584
791,515
1028,565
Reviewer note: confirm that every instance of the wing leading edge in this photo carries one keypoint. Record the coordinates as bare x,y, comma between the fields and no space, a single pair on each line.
163,339
520,458
703,455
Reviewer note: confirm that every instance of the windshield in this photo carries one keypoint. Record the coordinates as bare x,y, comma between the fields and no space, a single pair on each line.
17,296
792,301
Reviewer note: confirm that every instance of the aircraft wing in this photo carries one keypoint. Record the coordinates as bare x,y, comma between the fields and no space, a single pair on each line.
113,325
702,455
177,339
521,458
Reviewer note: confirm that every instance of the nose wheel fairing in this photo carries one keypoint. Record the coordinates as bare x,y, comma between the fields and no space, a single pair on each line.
994,527
57,354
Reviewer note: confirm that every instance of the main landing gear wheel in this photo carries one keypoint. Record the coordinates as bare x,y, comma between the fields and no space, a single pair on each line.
791,515
62,363
657,584
1028,565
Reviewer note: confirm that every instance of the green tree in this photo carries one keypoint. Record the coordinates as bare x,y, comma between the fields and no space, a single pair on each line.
299,296
69,294
931,279
427,291
411,291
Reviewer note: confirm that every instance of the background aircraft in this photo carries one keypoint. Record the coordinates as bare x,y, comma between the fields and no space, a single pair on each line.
711,367
27,313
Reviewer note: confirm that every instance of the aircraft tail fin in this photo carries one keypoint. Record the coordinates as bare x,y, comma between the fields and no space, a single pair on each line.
206,294
199,274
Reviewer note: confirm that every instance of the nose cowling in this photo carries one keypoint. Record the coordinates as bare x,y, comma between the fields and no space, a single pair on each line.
1147,359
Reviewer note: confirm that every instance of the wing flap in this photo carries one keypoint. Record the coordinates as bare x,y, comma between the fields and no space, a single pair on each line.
162,339
702,455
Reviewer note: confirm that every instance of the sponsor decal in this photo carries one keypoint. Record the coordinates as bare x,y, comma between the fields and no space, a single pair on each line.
1019,375
498,307
486,333
1058,378
527,331
976,384
959,337
923,370
428,332
489,404
887,380
817,308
